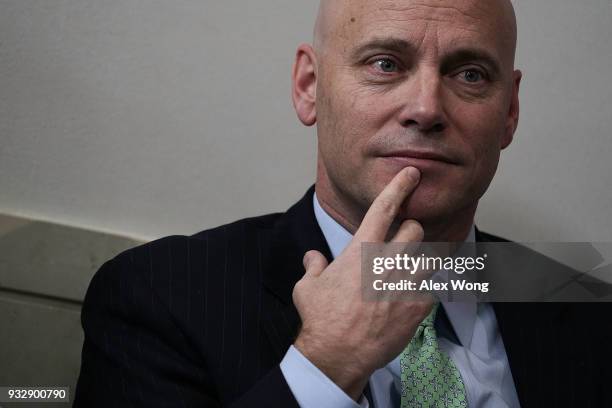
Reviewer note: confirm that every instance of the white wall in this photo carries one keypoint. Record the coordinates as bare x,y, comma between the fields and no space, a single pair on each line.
149,117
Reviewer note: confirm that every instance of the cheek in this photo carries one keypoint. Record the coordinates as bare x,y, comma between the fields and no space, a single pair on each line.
349,119
482,135
481,127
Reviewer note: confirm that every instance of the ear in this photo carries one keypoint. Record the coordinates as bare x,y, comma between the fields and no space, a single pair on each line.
304,84
513,111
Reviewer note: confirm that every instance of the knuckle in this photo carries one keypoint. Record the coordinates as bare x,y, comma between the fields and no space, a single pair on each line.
299,287
298,294
386,205
295,296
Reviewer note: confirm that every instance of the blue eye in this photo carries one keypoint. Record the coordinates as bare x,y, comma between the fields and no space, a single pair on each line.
472,75
386,65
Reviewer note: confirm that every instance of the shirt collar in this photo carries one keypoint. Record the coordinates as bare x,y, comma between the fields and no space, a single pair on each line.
336,236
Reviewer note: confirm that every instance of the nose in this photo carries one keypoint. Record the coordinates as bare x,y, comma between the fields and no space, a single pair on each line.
422,102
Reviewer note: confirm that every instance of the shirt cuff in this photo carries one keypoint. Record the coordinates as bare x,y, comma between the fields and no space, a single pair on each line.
311,388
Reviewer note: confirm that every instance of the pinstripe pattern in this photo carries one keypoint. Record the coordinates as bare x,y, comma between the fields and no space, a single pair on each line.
204,321
188,321
559,353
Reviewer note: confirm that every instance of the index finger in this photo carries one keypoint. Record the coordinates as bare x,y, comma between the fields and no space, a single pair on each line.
386,206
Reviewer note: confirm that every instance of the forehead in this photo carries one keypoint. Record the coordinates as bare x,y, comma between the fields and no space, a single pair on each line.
428,24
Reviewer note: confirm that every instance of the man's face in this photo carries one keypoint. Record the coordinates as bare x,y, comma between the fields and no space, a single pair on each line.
428,84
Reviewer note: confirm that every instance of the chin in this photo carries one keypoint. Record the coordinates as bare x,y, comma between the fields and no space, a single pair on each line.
427,207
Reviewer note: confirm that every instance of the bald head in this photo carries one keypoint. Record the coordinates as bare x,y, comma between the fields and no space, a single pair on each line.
338,19
324,21
385,78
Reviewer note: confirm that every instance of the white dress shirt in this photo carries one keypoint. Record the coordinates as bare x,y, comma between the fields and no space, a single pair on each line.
476,348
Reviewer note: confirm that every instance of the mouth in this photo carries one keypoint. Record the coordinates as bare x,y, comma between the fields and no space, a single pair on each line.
419,156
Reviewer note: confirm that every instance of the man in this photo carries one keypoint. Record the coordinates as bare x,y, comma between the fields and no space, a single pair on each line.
413,102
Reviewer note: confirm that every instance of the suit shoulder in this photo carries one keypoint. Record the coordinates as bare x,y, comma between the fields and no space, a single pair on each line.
177,254
164,246
142,261
240,226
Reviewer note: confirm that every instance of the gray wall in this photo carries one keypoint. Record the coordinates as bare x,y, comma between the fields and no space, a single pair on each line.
555,181
150,117
147,117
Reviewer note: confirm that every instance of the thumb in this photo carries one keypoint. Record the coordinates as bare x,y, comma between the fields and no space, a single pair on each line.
314,263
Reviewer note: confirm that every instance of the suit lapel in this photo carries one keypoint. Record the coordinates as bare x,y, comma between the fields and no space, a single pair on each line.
531,337
526,332
295,233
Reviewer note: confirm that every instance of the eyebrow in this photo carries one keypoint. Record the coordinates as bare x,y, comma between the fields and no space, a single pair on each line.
392,44
455,57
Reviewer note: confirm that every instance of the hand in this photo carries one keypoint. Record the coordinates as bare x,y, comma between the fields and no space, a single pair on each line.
346,337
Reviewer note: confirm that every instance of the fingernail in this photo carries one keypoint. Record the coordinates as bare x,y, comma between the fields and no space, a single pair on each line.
414,173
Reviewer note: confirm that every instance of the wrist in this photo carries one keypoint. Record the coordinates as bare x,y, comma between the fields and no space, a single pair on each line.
339,366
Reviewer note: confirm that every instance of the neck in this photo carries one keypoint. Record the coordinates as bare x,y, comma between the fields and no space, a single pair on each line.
454,228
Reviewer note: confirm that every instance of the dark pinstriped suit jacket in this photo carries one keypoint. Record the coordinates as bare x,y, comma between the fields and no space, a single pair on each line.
204,321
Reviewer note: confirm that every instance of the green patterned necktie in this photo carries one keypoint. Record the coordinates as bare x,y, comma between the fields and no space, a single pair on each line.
429,377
